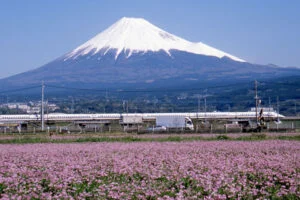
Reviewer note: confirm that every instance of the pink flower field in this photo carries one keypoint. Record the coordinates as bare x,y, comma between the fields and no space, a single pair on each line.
151,170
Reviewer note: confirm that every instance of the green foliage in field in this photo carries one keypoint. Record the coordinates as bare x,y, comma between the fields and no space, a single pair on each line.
24,139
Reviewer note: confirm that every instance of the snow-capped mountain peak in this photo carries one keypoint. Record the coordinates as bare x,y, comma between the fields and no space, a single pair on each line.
133,35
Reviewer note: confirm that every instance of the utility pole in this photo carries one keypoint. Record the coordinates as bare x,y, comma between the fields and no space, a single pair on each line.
295,108
127,107
42,111
72,106
198,103
47,107
106,95
123,106
198,106
205,108
277,109
256,102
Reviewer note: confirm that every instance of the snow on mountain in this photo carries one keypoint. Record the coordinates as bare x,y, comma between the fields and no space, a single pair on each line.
133,35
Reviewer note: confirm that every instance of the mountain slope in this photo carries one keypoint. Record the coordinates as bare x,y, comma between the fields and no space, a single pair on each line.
134,53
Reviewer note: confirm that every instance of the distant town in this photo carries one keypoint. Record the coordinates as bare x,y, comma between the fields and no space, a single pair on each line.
30,107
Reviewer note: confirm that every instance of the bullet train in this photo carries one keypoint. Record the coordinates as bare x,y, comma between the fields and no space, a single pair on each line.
270,116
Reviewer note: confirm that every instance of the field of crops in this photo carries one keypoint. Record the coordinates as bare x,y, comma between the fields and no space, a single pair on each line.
151,170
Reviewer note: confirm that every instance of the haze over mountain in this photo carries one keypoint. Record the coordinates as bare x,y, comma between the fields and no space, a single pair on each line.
134,53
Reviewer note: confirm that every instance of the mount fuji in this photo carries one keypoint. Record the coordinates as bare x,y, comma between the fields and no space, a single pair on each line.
134,53
135,35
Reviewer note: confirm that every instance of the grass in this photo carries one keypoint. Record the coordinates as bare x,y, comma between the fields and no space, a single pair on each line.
42,138
283,137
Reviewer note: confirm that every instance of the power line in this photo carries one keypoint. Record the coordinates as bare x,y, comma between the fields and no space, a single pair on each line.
186,89
17,90
73,88
146,90
262,84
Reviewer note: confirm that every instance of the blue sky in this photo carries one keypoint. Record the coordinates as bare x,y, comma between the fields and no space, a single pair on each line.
34,32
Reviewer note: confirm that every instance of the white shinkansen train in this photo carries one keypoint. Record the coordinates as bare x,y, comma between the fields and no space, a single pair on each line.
145,116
